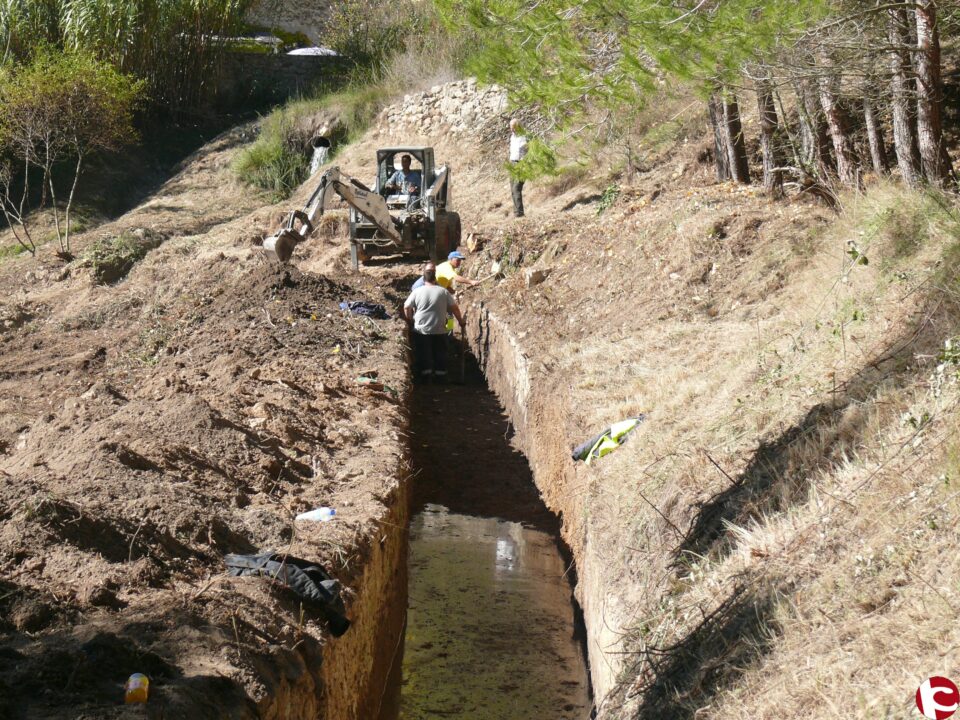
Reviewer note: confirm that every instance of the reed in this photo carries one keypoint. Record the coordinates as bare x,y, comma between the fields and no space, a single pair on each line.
174,45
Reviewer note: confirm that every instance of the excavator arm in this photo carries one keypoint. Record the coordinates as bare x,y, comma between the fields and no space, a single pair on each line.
300,223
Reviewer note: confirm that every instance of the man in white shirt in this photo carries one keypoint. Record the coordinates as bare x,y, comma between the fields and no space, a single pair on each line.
518,150
426,313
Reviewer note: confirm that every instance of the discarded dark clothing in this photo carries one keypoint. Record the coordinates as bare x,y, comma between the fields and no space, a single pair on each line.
366,308
308,580
607,441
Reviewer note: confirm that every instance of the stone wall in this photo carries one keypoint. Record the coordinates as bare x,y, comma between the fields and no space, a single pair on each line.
252,80
459,108
294,16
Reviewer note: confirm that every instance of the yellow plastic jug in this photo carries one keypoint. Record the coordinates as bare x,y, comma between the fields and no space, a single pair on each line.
137,688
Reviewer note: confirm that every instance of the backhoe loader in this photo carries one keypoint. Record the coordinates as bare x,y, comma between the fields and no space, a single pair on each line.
381,223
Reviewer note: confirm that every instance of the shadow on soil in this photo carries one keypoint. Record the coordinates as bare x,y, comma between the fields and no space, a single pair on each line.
779,473
481,472
678,680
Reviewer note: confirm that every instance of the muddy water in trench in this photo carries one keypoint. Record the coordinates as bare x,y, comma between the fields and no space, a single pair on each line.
490,623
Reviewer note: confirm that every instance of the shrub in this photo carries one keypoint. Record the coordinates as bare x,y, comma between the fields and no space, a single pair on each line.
276,161
279,162
608,198
370,33
111,259
174,45
59,107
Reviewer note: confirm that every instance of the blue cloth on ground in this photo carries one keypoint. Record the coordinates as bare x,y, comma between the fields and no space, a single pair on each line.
366,308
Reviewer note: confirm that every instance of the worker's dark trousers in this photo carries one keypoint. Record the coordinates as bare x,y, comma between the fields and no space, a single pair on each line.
430,355
516,188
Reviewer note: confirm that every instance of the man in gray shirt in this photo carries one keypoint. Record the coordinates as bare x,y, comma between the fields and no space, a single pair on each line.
426,312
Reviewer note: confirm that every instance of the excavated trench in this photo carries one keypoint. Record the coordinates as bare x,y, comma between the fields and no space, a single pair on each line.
465,605
491,627
481,580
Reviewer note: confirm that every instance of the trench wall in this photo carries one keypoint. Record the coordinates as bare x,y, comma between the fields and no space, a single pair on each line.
537,403
356,666
345,679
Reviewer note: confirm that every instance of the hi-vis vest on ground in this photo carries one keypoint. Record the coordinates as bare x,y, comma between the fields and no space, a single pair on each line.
607,441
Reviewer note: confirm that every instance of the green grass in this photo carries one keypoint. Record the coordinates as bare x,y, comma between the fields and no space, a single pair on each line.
278,162
11,251
113,258
358,106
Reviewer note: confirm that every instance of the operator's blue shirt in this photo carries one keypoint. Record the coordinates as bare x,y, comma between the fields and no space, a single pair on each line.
403,179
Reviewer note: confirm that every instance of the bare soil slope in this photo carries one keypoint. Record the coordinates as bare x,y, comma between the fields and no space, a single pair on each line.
151,426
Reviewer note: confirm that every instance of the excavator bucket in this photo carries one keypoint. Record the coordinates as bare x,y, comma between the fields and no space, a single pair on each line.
279,246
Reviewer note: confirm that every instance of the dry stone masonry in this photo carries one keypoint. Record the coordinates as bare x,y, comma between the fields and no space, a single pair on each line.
293,16
458,108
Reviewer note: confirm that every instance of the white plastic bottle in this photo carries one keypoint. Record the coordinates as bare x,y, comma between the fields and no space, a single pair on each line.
319,515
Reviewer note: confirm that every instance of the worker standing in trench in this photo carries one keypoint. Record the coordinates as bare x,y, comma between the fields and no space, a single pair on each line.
426,313
419,281
447,272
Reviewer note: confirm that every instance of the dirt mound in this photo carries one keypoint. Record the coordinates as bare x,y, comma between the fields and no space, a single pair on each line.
155,425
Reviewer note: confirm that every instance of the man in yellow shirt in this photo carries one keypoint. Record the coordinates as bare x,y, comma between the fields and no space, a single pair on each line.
447,271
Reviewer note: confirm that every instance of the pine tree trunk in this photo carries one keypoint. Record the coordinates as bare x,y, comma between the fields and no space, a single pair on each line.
934,160
878,149
808,141
816,139
721,154
904,120
772,175
733,137
839,127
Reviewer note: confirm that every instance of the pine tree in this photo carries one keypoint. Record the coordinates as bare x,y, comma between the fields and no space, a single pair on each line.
855,67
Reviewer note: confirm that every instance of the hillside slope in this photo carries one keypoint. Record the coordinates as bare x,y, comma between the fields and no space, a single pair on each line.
778,539
190,409
788,508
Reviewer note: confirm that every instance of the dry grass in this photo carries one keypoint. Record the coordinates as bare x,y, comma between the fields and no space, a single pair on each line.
778,540
807,424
